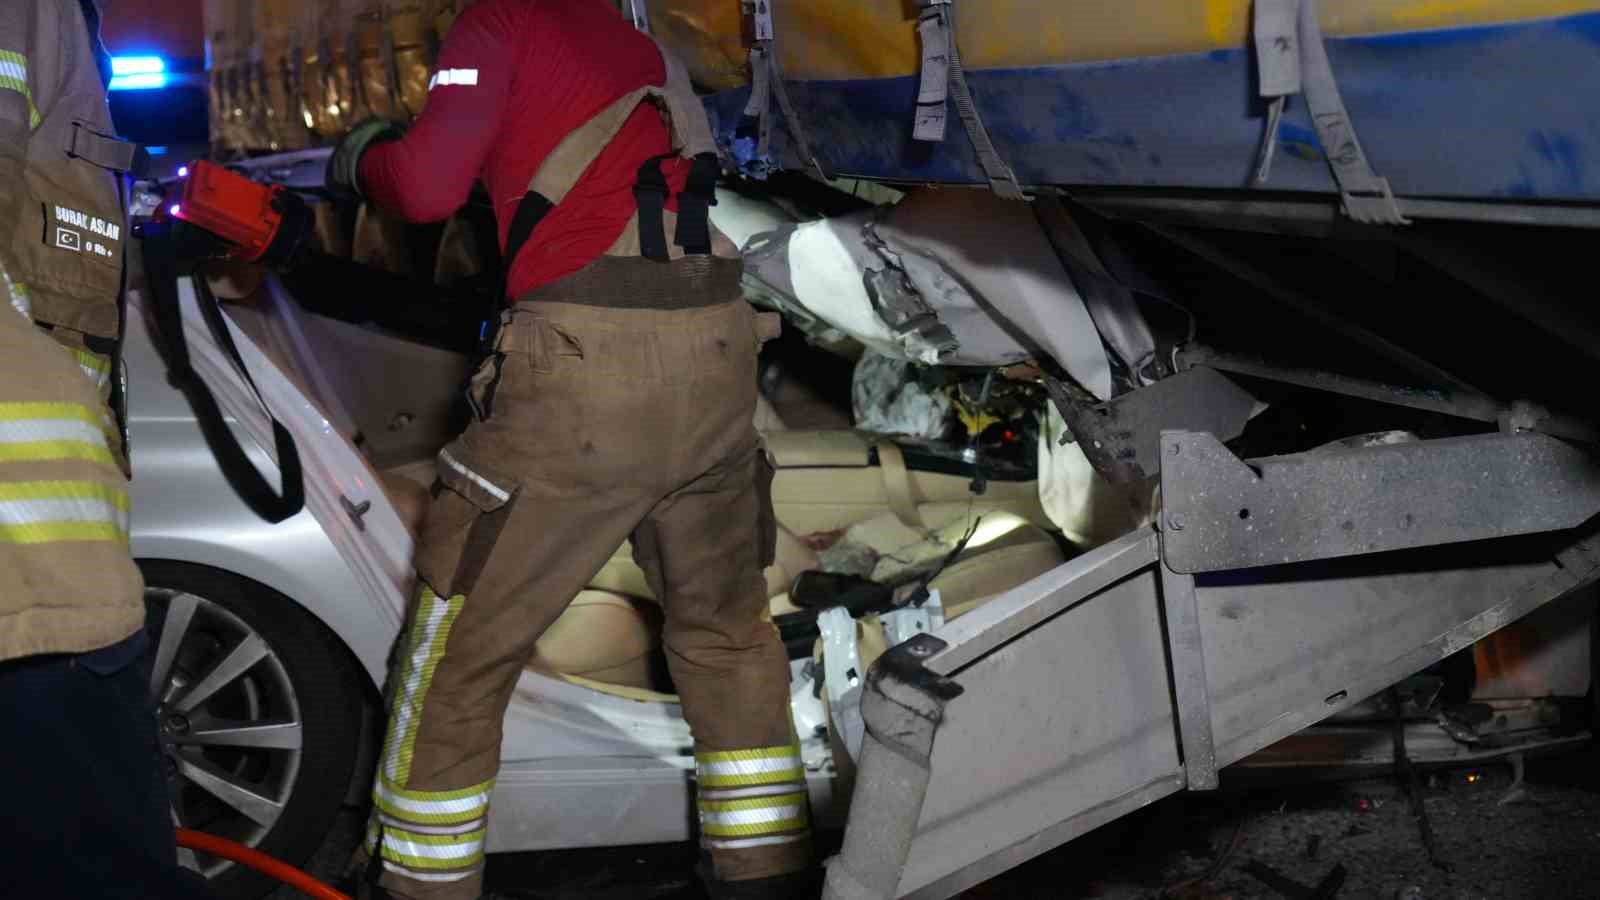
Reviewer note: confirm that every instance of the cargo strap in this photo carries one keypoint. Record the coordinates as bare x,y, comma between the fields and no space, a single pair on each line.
942,76
766,83
1292,59
691,138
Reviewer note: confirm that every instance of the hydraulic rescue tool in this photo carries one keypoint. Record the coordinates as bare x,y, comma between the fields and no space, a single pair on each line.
232,216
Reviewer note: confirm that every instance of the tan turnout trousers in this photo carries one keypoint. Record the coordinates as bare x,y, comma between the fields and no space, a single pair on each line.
595,425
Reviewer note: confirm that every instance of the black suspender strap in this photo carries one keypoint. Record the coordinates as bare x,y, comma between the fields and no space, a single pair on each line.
531,210
694,201
650,192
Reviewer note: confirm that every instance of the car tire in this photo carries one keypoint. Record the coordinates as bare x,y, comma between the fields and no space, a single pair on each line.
268,757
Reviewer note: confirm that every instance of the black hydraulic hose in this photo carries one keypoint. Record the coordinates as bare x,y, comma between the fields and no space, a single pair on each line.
160,243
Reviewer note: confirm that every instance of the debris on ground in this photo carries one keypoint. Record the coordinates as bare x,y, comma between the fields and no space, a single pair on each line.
1215,846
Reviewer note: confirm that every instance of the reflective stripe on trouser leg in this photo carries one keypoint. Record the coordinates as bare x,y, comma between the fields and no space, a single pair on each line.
752,798
434,836
426,835
430,630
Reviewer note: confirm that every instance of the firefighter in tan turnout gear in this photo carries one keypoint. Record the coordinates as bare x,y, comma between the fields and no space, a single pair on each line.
617,404
80,766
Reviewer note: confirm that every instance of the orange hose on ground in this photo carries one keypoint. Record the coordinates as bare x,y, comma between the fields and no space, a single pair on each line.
255,859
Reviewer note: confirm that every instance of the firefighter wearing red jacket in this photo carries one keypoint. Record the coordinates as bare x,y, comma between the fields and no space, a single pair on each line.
617,404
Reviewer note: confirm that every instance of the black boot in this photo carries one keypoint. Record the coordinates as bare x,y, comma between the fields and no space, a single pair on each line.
360,882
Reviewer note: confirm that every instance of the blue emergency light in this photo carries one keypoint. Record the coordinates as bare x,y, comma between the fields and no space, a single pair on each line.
137,73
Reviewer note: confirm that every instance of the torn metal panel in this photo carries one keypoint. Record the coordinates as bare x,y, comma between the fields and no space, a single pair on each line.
1122,437
1006,287
896,291
1223,513
940,278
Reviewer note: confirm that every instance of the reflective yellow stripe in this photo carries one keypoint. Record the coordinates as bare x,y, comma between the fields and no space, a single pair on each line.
437,840
50,451
753,816
435,653
754,830
457,807
89,360
53,532
95,366
57,490
747,803
392,809
425,646
433,851
14,77
755,753
751,779
417,862
76,412
749,767
40,512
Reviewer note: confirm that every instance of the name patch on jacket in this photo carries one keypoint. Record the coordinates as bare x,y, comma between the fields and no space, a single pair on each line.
80,232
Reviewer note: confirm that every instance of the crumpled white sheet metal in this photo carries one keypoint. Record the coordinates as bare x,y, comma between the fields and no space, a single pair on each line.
1004,278
981,265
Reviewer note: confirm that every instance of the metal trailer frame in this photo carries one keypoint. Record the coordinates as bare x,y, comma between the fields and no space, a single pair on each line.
1144,666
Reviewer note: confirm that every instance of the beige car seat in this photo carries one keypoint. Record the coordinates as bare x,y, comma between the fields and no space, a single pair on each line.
826,482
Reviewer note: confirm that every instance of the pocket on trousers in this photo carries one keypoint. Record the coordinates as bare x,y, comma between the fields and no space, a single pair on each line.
469,507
